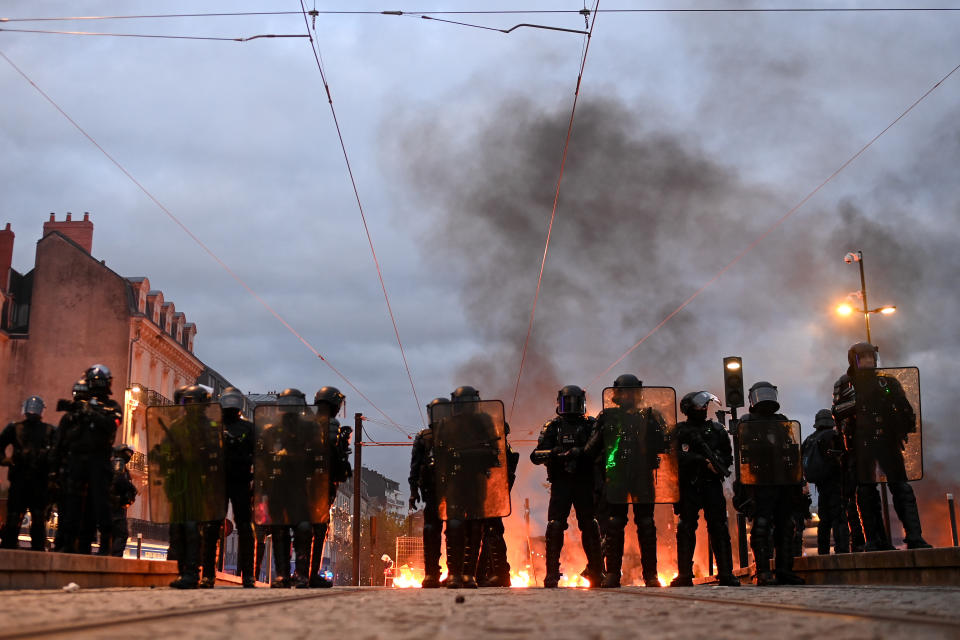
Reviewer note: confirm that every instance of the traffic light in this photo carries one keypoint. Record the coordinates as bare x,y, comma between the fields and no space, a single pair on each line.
733,381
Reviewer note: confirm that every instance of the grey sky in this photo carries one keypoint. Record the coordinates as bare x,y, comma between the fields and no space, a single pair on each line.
750,111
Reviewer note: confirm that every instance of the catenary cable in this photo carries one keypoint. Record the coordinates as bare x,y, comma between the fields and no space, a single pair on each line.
197,240
147,35
499,12
314,47
553,213
772,227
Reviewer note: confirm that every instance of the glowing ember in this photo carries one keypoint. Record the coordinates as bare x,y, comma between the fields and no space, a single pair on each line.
521,580
574,581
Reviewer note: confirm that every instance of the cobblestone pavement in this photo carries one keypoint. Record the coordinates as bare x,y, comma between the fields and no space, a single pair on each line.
494,613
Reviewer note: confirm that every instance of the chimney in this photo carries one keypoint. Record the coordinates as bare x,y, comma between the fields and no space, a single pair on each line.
80,231
6,257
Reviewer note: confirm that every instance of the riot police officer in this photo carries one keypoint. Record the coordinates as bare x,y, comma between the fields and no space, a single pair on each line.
423,487
570,473
705,459
772,451
81,455
190,459
823,453
466,488
877,440
238,443
328,401
31,440
122,494
645,429
493,569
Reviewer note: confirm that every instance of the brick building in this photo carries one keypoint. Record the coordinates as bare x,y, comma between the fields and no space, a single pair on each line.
70,311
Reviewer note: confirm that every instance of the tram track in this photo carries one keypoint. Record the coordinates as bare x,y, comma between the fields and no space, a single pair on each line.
852,614
76,626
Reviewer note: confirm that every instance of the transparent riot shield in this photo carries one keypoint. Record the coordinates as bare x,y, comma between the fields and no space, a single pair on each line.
291,465
887,440
769,452
185,468
469,442
640,460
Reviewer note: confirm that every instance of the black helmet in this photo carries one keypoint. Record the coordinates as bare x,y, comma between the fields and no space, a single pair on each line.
124,450
763,397
857,351
432,409
627,380
696,402
293,397
98,379
824,420
571,400
178,394
465,394
330,396
193,394
33,406
231,398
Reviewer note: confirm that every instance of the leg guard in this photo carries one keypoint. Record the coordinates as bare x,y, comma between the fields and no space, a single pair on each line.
456,540
432,530
245,552
905,504
211,542
760,543
281,556
554,544
613,546
686,542
868,498
471,552
302,545
647,537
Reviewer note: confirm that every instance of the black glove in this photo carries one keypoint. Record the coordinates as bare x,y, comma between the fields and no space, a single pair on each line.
414,498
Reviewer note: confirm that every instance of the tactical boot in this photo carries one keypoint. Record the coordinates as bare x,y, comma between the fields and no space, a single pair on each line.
610,581
682,581
762,553
868,498
249,582
456,539
724,553
430,582
652,581
788,578
319,582
590,539
184,582
469,582
552,581
471,553
207,582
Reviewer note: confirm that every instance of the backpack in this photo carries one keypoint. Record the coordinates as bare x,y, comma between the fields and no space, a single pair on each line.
817,467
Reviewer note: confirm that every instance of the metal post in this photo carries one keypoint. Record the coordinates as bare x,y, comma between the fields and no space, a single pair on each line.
357,473
743,552
373,551
140,537
709,559
863,295
953,518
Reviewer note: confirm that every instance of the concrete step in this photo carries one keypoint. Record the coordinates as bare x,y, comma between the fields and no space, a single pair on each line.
23,569
913,567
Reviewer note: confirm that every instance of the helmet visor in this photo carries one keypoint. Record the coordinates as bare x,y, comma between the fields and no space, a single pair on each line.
33,405
571,404
764,398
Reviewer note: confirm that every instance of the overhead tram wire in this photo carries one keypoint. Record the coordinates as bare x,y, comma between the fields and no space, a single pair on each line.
498,12
773,227
314,48
147,35
553,213
199,242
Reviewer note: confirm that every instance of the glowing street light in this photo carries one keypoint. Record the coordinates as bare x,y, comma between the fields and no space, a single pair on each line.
846,308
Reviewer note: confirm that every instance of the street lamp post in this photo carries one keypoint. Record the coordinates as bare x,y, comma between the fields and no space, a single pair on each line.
858,258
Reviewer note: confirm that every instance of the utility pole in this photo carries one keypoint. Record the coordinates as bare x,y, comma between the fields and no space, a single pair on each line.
357,473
